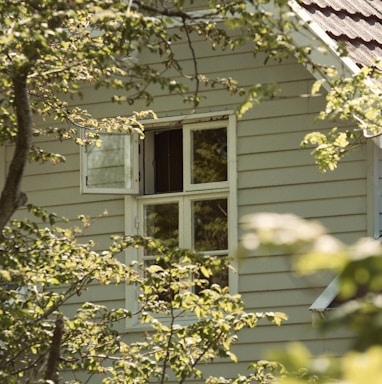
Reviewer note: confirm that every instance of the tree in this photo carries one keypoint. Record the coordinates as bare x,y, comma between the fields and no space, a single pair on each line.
358,268
50,49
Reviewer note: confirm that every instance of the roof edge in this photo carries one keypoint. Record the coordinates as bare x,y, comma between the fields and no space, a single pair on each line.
317,31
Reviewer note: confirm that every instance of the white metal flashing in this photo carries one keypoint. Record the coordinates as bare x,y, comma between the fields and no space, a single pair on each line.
323,301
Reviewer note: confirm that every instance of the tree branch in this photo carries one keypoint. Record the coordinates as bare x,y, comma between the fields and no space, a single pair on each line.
12,197
195,62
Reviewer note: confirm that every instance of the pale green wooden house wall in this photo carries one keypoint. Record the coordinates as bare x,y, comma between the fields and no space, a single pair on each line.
273,174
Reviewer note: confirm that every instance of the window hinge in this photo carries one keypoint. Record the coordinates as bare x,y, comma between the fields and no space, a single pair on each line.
136,222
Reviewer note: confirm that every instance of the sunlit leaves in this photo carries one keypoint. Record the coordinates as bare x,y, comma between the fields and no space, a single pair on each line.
355,99
47,266
317,86
38,260
330,148
256,94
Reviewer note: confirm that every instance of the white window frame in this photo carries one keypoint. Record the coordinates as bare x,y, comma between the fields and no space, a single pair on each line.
187,157
189,123
227,189
130,142
184,200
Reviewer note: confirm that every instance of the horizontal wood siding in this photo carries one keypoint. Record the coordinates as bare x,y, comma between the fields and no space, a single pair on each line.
274,174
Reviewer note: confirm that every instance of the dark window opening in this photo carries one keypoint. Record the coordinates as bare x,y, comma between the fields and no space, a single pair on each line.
164,161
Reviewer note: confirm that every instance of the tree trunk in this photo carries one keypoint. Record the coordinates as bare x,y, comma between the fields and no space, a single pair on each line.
11,196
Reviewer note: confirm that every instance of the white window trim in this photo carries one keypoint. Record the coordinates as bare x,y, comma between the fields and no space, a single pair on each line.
229,190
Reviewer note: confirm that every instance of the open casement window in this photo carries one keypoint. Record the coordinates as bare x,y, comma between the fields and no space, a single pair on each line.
112,166
322,304
173,158
185,158
326,298
187,189
330,299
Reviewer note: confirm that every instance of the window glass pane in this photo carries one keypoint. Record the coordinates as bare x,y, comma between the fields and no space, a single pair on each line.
220,278
162,222
209,156
111,164
210,225
162,290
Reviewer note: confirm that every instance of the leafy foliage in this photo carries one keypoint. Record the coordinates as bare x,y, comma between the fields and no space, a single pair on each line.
50,50
358,309
354,100
44,267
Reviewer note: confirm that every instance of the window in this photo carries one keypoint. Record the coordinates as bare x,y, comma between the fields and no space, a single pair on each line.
179,183
162,161
186,158
197,221
329,294
185,187
112,166
126,165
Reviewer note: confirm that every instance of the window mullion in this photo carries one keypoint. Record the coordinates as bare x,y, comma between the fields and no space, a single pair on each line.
187,160
186,222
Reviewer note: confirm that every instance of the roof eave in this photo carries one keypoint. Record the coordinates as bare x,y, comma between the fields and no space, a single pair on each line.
345,65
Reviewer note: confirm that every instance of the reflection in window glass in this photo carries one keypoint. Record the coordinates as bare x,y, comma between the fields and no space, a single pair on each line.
111,164
210,225
220,278
209,155
163,291
162,222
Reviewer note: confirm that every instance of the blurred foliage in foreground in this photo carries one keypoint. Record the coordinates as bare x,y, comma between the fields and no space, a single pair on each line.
358,268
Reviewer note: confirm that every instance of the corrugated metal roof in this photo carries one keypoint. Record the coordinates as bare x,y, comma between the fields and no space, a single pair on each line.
358,23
